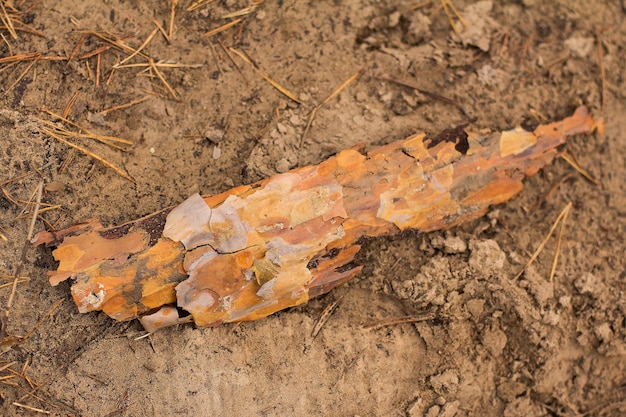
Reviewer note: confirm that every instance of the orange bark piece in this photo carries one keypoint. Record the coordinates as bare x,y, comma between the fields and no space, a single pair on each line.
257,249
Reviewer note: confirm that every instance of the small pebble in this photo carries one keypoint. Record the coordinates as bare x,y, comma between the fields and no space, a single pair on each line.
282,165
394,19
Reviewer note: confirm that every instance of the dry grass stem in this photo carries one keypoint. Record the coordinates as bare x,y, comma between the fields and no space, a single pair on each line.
215,58
21,27
27,407
110,77
449,9
5,276
141,47
68,160
547,193
107,140
96,51
31,228
19,78
558,246
10,284
70,104
326,100
161,29
570,159
197,4
24,175
89,153
98,69
245,11
6,42
89,72
160,64
154,93
96,378
7,366
7,21
45,316
421,4
537,115
163,80
87,134
427,93
228,54
401,320
343,86
6,341
76,48
267,78
26,203
172,15
601,67
30,56
221,28
545,240
124,106
43,210
324,316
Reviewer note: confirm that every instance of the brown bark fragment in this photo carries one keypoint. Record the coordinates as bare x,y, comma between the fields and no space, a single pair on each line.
257,249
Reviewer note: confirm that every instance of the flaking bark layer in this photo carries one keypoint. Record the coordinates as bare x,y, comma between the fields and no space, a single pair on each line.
260,248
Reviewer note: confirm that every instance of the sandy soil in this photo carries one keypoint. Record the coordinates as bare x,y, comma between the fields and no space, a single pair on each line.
488,345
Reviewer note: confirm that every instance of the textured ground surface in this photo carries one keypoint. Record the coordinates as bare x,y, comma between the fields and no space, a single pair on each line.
491,345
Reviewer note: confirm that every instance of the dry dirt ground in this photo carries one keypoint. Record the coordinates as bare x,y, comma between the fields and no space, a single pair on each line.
489,345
